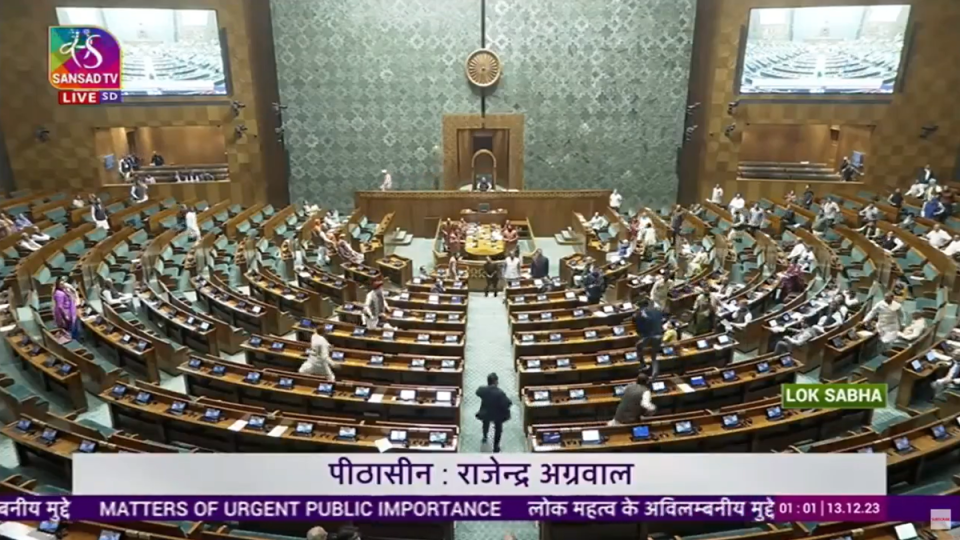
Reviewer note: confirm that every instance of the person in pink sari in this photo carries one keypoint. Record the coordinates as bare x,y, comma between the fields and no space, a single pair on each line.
65,308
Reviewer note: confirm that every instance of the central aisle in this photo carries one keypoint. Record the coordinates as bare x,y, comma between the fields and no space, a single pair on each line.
489,349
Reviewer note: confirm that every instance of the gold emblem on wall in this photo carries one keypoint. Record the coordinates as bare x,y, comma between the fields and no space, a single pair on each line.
484,68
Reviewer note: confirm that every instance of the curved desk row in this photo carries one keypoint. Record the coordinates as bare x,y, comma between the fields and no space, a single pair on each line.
169,417
680,357
287,355
305,394
709,388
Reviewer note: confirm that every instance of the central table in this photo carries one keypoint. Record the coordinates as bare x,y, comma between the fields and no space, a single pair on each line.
484,241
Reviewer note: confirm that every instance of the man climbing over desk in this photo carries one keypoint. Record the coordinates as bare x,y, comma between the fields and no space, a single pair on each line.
318,357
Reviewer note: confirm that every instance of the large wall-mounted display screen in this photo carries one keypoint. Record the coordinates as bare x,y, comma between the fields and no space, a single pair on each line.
166,52
824,50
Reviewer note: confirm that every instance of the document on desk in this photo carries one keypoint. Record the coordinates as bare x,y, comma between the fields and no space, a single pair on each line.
19,531
864,334
278,431
305,275
238,425
375,398
582,298
685,388
383,444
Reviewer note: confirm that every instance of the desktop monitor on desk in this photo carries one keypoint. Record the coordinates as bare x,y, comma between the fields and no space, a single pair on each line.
483,207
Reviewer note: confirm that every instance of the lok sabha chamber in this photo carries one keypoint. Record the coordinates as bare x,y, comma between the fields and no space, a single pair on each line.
265,224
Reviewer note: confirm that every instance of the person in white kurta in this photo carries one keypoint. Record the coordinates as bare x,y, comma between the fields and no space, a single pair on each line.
374,305
193,229
511,267
649,239
660,290
318,358
717,196
737,203
452,266
616,199
387,184
888,314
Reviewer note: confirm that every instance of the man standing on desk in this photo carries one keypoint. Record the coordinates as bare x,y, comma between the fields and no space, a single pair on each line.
375,305
387,183
616,199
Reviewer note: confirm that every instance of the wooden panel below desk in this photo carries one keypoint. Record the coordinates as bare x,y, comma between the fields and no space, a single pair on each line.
549,211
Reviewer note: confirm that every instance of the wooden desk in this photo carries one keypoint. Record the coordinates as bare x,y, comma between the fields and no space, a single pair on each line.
426,301
419,211
131,352
709,388
484,241
56,374
409,319
623,363
357,365
182,326
425,285
397,269
569,299
304,394
491,217
351,336
569,319
231,430
228,337
563,341
754,433
908,466
337,288
240,310
55,455
360,273
912,380
270,288
525,286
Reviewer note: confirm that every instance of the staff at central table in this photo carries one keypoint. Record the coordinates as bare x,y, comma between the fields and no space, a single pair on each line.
484,241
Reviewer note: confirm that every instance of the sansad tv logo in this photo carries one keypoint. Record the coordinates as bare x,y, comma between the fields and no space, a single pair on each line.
85,65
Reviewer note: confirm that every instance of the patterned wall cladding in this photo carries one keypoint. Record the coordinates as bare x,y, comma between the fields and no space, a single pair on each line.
367,83
68,159
928,95
602,86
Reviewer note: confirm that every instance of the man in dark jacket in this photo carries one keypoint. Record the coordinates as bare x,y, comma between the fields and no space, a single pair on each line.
594,285
494,408
649,324
491,271
635,401
807,200
676,223
540,266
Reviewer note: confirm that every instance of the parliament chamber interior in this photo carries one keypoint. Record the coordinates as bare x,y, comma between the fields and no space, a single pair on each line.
484,227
